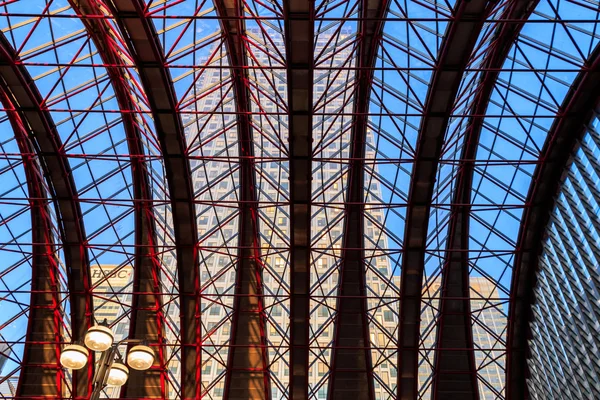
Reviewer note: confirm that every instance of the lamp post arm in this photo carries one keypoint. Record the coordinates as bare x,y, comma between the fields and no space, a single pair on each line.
127,341
106,361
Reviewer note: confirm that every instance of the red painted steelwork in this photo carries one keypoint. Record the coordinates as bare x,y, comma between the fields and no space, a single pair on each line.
41,373
147,321
18,85
351,363
140,35
247,374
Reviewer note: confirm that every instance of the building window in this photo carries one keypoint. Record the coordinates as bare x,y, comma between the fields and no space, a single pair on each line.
388,316
322,392
322,369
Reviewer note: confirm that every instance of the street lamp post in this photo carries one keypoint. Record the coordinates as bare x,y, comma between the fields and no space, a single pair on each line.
110,369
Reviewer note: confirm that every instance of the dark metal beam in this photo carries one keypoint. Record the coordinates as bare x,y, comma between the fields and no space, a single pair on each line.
21,89
569,127
144,45
455,372
41,373
459,41
351,364
299,48
146,315
247,375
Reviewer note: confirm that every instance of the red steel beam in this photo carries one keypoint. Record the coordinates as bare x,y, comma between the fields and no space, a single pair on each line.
455,326
299,46
575,115
41,373
144,45
247,375
459,41
21,89
351,364
146,318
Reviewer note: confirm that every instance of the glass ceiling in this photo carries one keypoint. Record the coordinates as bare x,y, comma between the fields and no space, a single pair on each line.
84,72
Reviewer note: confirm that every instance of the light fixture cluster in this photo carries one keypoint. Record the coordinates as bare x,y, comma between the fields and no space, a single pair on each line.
100,338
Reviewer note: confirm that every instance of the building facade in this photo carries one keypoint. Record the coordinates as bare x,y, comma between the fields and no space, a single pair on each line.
212,124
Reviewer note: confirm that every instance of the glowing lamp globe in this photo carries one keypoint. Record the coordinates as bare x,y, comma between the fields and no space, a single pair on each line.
74,356
140,357
99,338
118,374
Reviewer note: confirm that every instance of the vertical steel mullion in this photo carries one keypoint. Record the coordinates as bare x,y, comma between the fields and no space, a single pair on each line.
455,52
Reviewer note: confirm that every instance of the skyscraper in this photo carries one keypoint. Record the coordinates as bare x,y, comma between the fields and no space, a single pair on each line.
5,352
215,176
8,386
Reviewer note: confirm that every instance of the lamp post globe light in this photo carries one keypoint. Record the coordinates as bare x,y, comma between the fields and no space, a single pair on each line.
110,368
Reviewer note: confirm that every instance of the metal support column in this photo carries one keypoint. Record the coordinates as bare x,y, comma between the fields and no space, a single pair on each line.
575,114
299,39
144,45
455,372
247,365
351,364
18,85
459,41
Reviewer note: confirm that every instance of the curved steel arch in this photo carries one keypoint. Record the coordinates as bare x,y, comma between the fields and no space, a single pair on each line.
454,304
42,373
146,320
569,126
19,85
351,365
299,46
459,41
247,363
143,42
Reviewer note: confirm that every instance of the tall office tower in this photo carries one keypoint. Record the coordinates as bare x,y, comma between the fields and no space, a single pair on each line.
7,384
211,130
5,352
212,136
8,387
111,279
490,325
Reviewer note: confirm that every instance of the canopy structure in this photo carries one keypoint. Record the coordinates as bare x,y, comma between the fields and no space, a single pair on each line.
294,199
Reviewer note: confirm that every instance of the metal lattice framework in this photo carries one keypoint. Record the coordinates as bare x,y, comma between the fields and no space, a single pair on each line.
294,199
579,107
18,86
